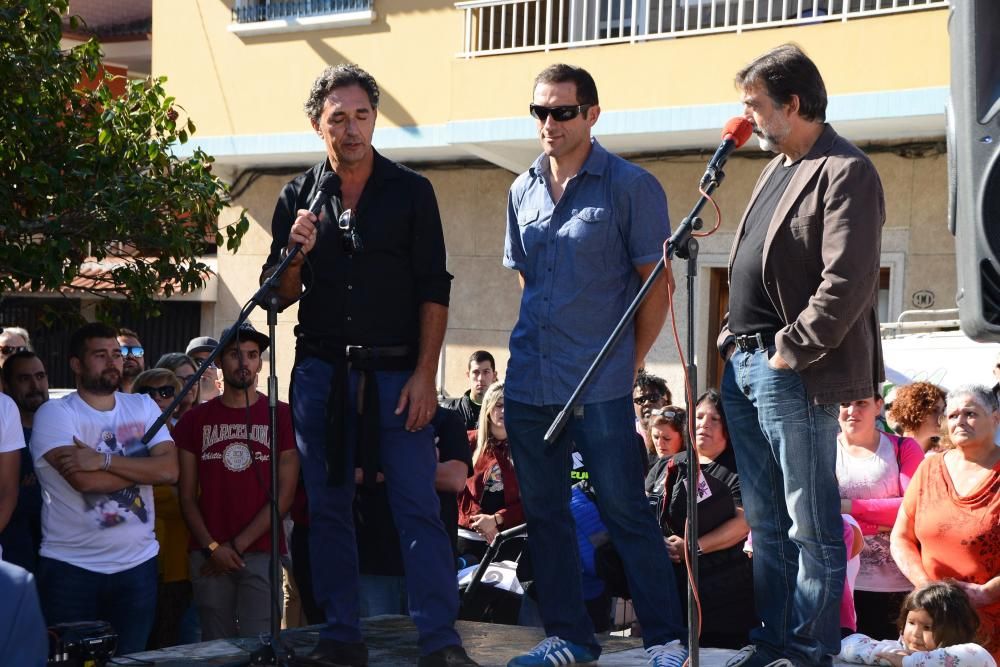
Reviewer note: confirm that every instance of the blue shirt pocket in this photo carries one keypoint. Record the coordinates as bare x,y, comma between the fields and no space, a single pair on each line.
586,230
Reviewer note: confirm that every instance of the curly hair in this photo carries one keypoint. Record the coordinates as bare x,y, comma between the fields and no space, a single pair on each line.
913,402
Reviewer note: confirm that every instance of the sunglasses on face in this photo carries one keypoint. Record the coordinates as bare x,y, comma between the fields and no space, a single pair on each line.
560,114
166,391
133,350
12,349
646,398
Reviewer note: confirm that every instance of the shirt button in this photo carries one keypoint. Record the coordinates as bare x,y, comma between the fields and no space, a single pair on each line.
350,287
348,318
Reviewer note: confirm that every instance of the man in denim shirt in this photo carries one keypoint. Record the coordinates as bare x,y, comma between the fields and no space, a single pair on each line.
584,230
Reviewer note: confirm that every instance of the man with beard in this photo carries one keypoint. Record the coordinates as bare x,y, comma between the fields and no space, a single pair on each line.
133,358
25,381
225,482
98,554
801,336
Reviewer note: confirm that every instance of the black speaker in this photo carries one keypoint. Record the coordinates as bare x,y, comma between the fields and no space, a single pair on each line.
974,163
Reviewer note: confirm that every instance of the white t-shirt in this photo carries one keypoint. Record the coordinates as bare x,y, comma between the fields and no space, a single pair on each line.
11,433
101,532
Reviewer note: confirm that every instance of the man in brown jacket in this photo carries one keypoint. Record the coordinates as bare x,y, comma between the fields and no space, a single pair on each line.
801,336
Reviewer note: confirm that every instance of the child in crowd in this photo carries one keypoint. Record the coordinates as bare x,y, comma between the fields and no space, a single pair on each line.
937,625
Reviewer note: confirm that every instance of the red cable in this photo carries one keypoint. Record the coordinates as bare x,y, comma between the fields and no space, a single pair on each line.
689,395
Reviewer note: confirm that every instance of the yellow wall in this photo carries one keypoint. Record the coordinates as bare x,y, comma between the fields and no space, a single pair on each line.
256,85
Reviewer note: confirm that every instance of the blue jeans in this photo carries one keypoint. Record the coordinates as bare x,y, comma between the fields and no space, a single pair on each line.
409,463
605,436
381,595
786,453
126,600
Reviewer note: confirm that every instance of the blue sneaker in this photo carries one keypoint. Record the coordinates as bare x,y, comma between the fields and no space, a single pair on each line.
554,652
671,654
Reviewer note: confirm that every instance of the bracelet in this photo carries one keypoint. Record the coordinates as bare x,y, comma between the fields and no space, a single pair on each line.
107,462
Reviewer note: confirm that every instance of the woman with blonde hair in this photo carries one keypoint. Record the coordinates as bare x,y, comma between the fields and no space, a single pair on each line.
491,500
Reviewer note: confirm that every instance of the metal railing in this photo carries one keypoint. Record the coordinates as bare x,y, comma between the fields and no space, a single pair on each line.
252,11
511,26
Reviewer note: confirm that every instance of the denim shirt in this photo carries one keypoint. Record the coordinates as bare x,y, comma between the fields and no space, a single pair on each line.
579,258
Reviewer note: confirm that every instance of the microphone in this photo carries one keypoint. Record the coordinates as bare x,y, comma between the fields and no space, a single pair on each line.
328,189
736,132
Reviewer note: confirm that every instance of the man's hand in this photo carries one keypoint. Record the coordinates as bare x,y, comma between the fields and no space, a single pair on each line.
303,231
224,560
777,363
79,459
419,394
485,525
675,547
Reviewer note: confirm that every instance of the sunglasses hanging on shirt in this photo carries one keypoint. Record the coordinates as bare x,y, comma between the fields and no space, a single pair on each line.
348,225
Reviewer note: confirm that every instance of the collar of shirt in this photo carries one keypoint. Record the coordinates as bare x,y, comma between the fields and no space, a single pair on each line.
596,162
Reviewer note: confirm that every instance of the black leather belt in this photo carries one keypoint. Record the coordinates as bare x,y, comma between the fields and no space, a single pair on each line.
756,341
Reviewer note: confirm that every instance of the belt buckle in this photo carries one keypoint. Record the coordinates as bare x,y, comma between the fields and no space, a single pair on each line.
760,341
348,349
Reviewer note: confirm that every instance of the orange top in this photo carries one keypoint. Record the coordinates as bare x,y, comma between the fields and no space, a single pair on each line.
958,537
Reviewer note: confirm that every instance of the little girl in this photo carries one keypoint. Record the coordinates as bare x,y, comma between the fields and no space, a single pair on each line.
937,625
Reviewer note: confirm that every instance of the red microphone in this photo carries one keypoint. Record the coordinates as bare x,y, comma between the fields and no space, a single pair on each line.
738,129
736,132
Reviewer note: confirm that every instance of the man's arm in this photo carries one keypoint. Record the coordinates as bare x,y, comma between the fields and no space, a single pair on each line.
10,473
450,476
419,393
288,479
82,467
224,557
652,311
852,227
160,467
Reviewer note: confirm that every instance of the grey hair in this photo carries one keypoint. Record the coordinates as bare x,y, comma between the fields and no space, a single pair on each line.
979,393
23,333
339,76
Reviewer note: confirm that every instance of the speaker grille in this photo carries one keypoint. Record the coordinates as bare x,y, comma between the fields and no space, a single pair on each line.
990,292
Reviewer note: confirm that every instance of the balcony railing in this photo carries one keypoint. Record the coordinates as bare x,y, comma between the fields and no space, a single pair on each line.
252,11
511,26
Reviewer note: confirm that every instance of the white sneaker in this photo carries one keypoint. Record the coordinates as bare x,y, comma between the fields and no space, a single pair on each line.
671,654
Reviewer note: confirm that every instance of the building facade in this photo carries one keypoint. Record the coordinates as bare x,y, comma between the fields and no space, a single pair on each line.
456,80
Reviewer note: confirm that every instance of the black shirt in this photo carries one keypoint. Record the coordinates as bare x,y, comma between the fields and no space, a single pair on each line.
750,308
373,296
467,408
375,532
713,510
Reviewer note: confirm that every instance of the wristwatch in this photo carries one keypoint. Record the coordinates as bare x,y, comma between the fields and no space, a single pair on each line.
210,549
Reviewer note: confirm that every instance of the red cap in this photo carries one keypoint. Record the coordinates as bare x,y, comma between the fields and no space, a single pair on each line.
738,129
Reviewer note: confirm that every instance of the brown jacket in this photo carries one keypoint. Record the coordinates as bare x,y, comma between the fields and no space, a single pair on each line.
821,267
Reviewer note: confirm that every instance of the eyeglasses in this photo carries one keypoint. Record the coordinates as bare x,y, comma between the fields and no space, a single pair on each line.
560,114
134,350
647,398
12,349
166,391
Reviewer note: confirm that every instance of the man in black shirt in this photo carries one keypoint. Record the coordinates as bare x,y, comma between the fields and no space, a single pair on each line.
801,337
372,318
482,372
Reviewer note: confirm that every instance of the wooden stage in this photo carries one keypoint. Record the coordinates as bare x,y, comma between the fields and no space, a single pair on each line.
392,642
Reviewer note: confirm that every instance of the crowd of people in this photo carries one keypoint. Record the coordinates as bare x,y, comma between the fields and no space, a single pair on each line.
830,520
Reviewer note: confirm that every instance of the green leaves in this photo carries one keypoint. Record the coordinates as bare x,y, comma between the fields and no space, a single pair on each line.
86,175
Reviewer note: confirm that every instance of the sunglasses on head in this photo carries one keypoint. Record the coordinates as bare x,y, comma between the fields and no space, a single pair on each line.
166,391
672,413
12,349
135,350
560,114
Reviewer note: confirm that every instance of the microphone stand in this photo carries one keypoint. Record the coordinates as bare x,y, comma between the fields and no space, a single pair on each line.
683,245
272,651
